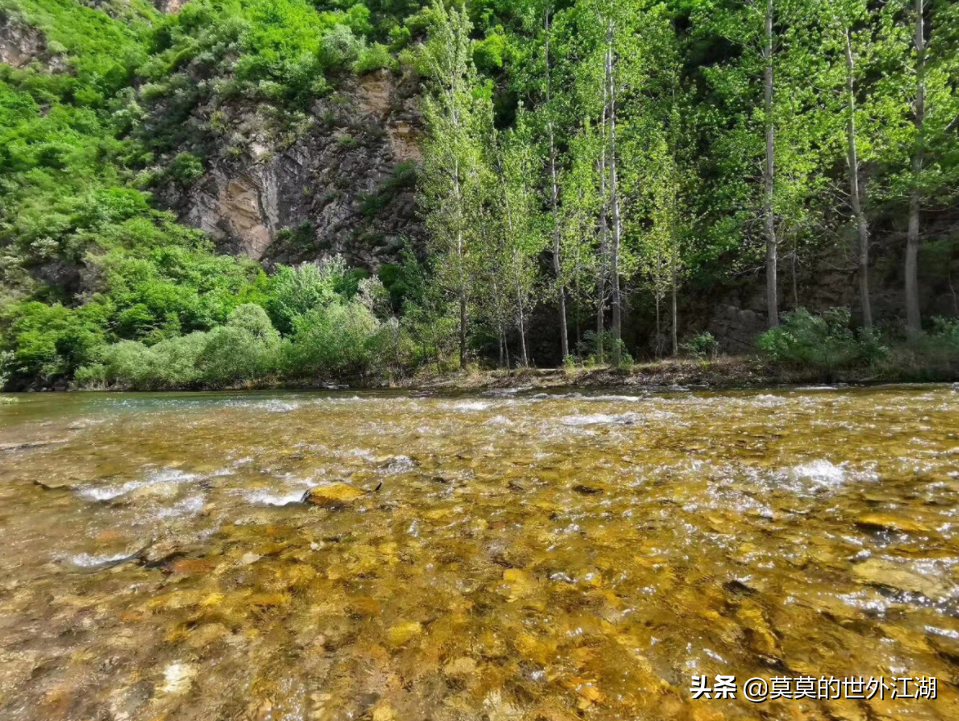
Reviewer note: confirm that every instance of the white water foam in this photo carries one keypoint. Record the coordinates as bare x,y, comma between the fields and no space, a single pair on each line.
821,472
472,406
108,493
187,507
265,498
597,419
85,560
399,464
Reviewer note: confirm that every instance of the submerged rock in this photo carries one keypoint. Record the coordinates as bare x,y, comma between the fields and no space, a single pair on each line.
586,490
403,632
460,667
878,572
333,496
886,522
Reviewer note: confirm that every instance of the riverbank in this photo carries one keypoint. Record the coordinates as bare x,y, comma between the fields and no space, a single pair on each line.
722,373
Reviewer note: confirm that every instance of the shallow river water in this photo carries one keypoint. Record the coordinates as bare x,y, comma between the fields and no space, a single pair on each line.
511,556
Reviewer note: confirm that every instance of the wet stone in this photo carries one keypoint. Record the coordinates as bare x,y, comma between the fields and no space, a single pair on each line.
333,496
880,572
888,522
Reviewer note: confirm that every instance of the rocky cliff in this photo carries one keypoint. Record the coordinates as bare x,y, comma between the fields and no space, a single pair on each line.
21,44
339,181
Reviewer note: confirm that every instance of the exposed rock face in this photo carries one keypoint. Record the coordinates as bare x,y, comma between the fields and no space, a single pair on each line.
169,6
21,44
736,329
230,207
344,186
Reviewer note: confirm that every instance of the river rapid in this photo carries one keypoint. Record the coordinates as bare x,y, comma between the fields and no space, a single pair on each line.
505,556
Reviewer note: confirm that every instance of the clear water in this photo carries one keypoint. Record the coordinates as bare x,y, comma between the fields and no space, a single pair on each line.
525,557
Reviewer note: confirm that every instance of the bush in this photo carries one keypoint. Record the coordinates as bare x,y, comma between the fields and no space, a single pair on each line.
6,367
589,346
823,341
294,292
374,57
340,48
703,345
186,169
930,356
338,340
47,343
244,350
130,364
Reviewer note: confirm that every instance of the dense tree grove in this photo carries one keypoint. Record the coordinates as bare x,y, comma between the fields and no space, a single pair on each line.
584,160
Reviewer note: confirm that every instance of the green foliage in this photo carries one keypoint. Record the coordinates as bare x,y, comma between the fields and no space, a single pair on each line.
102,51
337,340
294,292
244,350
49,342
6,367
703,345
186,169
340,48
824,341
404,177
490,53
374,57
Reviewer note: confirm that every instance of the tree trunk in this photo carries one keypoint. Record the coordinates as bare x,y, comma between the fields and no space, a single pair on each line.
795,274
617,300
524,358
659,330
557,261
603,245
462,329
913,320
675,310
862,226
601,302
461,274
772,293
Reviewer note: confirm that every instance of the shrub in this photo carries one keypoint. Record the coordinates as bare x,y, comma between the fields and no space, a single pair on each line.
588,349
703,345
130,364
294,292
932,356
337,340
243,350
340,48
823,341
186,169
374,57
49,342
6,367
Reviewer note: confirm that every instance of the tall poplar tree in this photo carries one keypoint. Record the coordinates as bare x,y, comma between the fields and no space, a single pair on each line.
453,167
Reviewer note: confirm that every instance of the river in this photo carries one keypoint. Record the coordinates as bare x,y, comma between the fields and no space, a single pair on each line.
503,556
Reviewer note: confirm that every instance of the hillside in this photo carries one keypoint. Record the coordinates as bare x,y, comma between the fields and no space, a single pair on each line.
219,192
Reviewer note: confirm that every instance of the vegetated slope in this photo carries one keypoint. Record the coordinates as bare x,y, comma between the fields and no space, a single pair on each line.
162,165
124,129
